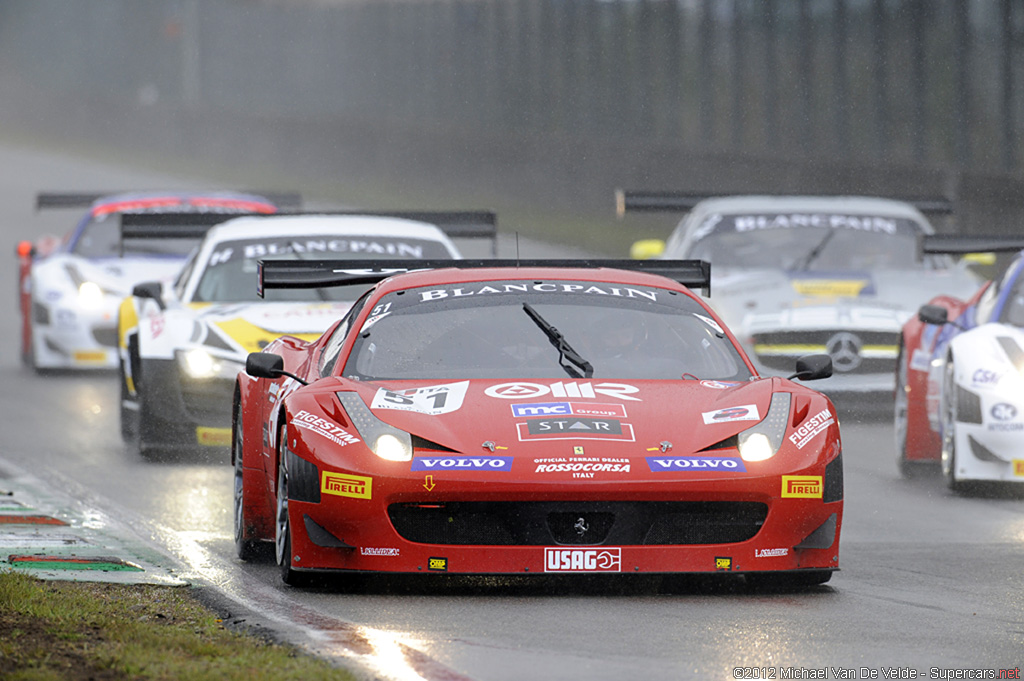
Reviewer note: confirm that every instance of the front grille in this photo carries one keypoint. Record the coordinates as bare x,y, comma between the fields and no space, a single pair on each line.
778,350
105,336
208,401
586,523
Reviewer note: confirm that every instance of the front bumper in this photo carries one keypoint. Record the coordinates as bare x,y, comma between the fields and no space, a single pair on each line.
394,523
183,412
66,337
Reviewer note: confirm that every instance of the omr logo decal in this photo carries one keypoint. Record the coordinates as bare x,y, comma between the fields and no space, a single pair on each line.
801,486
341,485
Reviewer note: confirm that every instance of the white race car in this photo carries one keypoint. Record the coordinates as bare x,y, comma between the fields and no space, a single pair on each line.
70,288
798,275
182,345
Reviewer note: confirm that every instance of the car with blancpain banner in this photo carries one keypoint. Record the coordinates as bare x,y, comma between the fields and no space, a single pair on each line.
183,342
959,388
69,288
811,274
514,417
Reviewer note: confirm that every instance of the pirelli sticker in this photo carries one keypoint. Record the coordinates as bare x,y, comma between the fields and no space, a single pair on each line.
342,485
801,486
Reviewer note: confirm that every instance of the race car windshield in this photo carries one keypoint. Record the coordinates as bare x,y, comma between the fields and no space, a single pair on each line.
810,243
101,238
479,330
229,274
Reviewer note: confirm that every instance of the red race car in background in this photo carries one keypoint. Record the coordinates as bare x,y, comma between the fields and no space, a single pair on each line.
531,417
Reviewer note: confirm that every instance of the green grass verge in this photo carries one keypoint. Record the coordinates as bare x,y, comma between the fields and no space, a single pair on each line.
82,630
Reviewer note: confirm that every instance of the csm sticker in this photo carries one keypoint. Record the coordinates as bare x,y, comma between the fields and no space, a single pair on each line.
746,412
433,400
723,563
462,463
811,427
522,390
575,428
342,485
582,560
673,464
437,564
801,486
567,408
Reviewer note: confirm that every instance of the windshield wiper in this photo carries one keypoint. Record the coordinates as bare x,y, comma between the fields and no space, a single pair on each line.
813,254
565,351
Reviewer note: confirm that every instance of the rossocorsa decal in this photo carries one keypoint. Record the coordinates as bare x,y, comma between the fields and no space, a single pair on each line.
433,399
524,391
502,288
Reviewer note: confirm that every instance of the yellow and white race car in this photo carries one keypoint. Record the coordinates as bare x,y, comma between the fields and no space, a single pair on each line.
183,342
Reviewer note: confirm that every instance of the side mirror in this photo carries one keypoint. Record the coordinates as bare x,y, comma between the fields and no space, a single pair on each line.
933,314
645,249
150,289
813,367
264,365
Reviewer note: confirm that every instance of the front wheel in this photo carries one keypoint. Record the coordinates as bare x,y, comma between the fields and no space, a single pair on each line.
129,416
282,524
948,416
247,549
900,400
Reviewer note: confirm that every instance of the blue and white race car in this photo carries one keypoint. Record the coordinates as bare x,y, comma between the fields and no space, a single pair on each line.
182,345
70,288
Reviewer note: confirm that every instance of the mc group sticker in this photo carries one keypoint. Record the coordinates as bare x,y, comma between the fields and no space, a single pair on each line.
462,463
575,428
582,560
432,400
801,486
676,464
567,408
746,412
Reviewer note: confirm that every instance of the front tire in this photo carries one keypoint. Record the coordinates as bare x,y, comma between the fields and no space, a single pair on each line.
247,549
948,421
129,417
282,523
901,398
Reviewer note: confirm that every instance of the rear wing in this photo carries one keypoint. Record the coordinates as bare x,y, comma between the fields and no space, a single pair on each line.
53,200
457,224
327,273
172,225
954,244
682,202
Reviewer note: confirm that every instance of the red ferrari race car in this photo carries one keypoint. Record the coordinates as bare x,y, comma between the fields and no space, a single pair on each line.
531,417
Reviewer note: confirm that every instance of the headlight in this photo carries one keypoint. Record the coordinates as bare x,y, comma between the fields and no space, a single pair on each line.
384,440
90,295
200,364
763,440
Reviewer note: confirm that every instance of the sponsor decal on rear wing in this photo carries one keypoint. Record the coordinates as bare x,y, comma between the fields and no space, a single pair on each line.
326,273
682,202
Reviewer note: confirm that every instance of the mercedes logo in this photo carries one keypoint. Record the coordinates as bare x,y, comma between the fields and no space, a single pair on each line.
844,347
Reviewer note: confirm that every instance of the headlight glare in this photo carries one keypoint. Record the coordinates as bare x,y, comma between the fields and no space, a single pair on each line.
90,295
391,447
199,364
762,441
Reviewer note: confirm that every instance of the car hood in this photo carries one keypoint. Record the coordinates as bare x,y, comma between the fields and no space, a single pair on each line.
114,275
755,299
249,327
552,417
